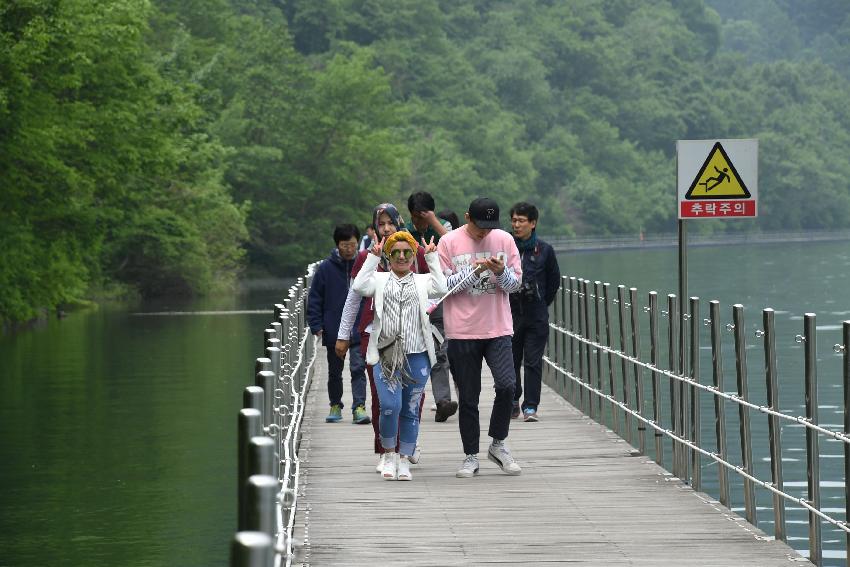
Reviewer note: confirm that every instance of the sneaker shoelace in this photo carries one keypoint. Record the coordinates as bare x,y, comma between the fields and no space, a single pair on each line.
470,462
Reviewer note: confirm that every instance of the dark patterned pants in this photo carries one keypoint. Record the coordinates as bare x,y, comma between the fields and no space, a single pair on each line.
465,358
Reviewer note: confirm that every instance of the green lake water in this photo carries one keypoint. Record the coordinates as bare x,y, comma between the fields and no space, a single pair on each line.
118,434
118,430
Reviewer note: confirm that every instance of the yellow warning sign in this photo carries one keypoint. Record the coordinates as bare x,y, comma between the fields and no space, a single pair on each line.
718,178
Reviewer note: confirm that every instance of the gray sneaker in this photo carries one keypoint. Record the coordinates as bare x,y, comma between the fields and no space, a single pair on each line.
501,455
469,468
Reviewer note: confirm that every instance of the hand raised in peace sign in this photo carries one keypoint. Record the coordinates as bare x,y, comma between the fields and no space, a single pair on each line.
430,246
377,248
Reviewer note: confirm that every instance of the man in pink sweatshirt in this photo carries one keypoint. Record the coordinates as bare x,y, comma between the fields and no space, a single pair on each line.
482,262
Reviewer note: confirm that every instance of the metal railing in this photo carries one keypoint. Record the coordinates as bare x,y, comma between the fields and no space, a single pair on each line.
270,436
622,385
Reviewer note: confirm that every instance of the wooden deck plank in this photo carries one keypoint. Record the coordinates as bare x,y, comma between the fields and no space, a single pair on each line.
583,499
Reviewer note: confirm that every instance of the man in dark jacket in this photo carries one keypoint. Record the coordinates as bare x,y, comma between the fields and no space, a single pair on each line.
541,278
324,310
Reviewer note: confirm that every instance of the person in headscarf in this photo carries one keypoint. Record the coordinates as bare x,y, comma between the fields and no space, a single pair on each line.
401,349
387,221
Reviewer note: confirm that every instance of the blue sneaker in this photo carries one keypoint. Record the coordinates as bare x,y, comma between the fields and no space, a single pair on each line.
359,416
530,414
335,415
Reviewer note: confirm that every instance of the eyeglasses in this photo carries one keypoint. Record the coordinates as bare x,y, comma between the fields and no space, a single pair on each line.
407,253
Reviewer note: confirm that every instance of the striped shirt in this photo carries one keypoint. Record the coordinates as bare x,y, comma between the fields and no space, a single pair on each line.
401,314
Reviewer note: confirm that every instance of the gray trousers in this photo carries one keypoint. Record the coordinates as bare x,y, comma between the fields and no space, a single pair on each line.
440,387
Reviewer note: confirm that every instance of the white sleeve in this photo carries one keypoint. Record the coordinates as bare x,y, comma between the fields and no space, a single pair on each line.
349,314
364,283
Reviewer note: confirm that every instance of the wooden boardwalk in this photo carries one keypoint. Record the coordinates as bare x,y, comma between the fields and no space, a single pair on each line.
582,499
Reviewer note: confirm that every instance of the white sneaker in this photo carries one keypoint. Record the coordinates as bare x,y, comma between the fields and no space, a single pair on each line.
414,458
501,455
404,469
380,468
469,468
390,471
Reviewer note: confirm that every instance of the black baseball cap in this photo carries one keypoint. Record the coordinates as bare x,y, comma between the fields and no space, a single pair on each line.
484,212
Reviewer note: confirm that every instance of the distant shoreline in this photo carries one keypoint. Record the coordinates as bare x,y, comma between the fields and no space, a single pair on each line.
582,244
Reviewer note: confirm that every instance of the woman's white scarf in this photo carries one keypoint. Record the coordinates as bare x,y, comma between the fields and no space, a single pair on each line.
391,345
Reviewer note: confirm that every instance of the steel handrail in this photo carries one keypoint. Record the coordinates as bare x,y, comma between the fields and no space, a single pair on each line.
769,486
731,397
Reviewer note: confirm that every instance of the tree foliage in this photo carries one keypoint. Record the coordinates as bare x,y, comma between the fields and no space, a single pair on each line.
166,144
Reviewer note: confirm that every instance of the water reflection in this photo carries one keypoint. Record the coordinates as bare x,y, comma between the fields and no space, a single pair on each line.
117,433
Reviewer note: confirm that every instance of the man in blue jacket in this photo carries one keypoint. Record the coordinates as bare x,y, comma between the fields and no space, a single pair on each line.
324,310
541,278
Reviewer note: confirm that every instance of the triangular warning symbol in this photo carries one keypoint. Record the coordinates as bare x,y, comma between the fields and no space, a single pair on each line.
718,178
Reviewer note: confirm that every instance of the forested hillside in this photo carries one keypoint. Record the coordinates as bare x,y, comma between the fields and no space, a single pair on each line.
164,145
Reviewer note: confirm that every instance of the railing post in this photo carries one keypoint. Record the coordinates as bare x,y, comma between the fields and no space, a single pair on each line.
272,352
251,549
574,302
615,422
265,380
684,392
773,427
551,349
252,397
696,467
719,408
262,504
846,366
261,456
809,340
288,352
555,344
744,411
250,425
597,337
673,366
621,304
656,385
562,338
262,364
636,368
579,394
588,350
583,361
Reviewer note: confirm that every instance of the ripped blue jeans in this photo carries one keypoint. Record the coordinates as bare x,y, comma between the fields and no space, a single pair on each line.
399,415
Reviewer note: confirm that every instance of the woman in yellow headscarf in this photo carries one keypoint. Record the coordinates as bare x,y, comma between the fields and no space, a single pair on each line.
402,346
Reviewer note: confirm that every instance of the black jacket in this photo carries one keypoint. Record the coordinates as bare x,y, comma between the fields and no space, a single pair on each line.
327,296
541,278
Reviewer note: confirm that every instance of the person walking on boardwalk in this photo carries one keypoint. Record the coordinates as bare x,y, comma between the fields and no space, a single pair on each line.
387,221
324,311
401,349
482,266
541,278
426,226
